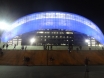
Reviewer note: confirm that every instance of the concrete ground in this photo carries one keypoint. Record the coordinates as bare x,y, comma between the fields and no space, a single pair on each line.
51,72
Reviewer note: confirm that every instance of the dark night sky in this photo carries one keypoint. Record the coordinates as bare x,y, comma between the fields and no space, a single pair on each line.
11,10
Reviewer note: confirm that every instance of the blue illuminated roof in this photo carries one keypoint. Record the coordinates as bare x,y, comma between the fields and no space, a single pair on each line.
53,20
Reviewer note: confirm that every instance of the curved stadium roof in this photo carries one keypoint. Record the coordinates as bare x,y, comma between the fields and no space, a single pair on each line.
53,20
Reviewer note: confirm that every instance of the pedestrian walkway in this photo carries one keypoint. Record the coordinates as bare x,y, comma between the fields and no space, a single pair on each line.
51,72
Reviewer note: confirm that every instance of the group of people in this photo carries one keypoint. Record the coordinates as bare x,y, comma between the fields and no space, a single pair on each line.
6,45
23,47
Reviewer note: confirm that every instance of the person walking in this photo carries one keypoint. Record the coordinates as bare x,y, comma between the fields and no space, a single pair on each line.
7,46
25,47
86,64
86,68
14,46
3,46
22,48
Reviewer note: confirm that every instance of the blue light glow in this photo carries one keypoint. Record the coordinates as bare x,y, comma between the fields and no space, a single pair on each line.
53,20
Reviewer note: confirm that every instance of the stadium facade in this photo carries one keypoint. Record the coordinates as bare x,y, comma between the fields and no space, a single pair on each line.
54,28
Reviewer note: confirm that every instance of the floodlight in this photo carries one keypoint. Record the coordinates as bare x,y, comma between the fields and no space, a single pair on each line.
3,25
32,40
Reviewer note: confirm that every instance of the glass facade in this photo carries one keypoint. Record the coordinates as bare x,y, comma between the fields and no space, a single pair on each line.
55,39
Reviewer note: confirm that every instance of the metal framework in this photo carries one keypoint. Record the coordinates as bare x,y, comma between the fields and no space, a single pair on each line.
53,20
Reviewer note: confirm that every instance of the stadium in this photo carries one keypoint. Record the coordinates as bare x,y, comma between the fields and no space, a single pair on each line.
54,28
52,31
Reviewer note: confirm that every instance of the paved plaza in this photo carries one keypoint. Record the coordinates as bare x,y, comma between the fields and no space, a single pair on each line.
51,72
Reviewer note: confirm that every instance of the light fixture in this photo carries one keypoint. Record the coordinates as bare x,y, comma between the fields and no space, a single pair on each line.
4,25
87,40
32,40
